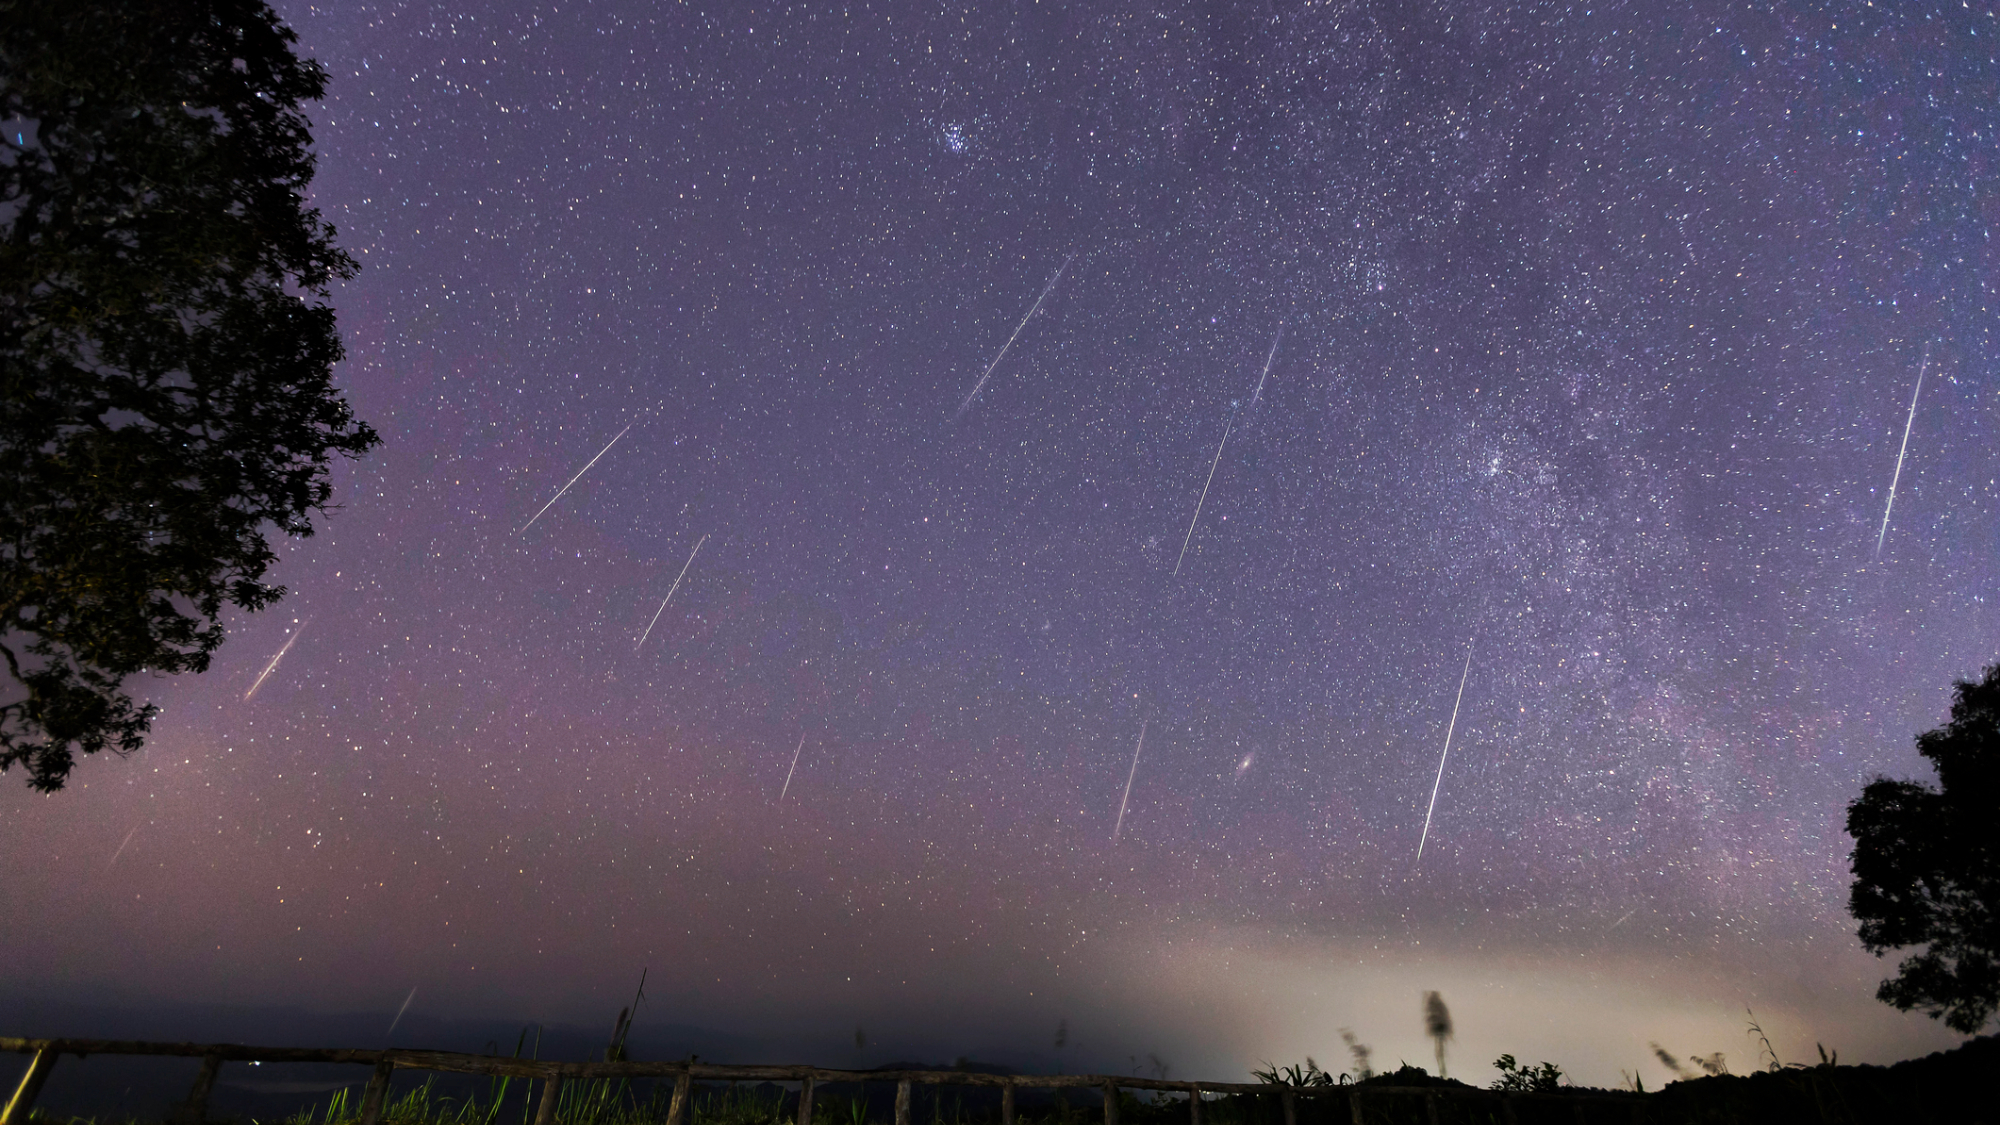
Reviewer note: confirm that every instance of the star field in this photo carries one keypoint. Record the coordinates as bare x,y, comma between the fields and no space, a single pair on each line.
1599,332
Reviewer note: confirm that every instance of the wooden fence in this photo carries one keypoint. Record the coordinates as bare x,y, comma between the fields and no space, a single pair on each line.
552,1074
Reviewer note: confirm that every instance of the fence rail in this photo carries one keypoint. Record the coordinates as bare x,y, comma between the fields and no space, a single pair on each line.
553,1074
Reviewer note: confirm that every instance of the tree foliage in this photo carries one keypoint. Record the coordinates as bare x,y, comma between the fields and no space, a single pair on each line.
166,350
1927,866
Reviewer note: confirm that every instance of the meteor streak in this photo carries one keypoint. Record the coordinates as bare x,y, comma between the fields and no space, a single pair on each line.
1447,750
273,665
1204,494
573,480
121,847
795,767
670,594
400,1011
1907,423
1255,398
1046,289
1122,801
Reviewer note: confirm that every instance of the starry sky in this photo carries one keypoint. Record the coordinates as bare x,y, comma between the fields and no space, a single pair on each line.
1564,351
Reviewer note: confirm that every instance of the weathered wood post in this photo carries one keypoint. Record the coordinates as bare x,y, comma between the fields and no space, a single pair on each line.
1355,1114
1431,1106
1290,1101
1007,1104
377,1091
545,1114
1111,1104
195,1110
903,1102
23,1101
806,1100
677,1109
1194,1103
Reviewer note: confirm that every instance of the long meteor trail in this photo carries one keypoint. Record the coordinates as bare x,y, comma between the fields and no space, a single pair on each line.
1907,423
795,767
1204,494
573,480
1046,290
1447,751
1255,398
273,665
1134,772
670,595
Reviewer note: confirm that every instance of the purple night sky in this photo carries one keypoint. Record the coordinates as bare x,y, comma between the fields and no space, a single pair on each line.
1596,333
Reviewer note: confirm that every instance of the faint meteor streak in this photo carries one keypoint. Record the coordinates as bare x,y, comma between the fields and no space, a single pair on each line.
1447,750
573,480
1907,423
1204,494
1046,290
795,767
121,847
670,595
273,665
400,1011
1134,772
1257,397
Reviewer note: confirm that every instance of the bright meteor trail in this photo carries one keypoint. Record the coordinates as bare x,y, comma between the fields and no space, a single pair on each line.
273,665
670,594
1046,290
1907,423
1204,494
1134,772
1447,750
795,767
1257,397
573,480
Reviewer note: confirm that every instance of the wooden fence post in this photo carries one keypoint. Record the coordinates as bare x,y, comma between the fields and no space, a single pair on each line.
1007,1104
903,1102
23,1101
1290,1101
806,1101
1431,1107
1194,1103
195,1110
677,1109
377,1091
1111,1104
545,1114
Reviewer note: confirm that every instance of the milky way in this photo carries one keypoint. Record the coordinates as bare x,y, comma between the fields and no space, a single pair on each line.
1599,329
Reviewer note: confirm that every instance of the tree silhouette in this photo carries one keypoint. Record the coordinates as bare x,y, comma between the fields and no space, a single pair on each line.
165,350
1927,866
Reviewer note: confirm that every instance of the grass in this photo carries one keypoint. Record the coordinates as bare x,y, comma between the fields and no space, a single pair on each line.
618,1102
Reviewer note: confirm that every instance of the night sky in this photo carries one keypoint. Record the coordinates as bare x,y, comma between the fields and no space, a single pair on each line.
1587,340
